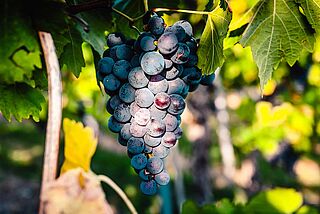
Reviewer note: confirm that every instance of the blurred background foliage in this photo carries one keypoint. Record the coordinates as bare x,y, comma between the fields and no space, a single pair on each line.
275,138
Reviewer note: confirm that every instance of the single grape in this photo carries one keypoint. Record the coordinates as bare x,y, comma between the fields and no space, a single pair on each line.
193,46
114,125
127,93
176,86
157,113
148,187
137,130
152,63
178,31
114,101
155,165
177,104
147,149
137,78
135,62
111,83
124,52
168,64
160,151
167,43
147,43
157,84
112,52
188,71
156,127
169,139
192,60
134,108
139,161
181,55
114,39
144,175
178,132
207,79
156,25
108,107
162,100
186,26
162,178
121,69
125,132
142,116
171,122
135,145
144,97
122,141
151,141
173,72
122,113
105,65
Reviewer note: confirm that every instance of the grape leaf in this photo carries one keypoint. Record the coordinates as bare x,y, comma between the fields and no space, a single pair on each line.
20,100
311,9
72,53
210,50
80,145
276,31
17,37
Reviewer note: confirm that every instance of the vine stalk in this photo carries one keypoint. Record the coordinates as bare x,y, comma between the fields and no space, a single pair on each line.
54,113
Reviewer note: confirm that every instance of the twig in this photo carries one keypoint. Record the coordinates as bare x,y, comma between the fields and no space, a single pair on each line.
180,11
119,191
146,7
54,113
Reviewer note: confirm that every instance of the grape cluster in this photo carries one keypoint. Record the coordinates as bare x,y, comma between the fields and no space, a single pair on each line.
147,80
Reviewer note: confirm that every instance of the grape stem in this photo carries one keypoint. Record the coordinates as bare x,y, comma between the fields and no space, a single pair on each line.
180,11
119,191
130,19
146,7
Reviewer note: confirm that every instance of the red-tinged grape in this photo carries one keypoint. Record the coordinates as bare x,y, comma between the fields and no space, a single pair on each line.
156,127
136,130
162,100
135,145
181,55
169,139
171,122
177,104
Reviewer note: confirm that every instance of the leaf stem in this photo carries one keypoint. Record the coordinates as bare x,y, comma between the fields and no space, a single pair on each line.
180,11
146,7
119,191
123,14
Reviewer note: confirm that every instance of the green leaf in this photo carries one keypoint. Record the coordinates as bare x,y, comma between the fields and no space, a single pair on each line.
72,54
21,101
276,31
19,50
210,50
278,200
311,9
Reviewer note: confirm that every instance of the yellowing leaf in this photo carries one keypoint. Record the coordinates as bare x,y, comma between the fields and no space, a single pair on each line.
80,145
67,195
263,111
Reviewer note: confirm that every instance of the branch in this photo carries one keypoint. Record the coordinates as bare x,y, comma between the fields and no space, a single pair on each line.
119,191
54,113
180,11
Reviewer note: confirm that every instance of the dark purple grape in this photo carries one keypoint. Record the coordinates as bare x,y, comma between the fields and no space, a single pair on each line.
147,43
124,52
142,116
156,25
181,55
171,122
169,139
155,165
114,125
137,130
148,187
112,52
167,43
162,178
157,113
137,78
152,63
147,149
135,145
144,175
121,69
114,101
144,97
193,46
156,127
160,151
173,72
207,79
111,83
152,141
139,161
178,31
115,39
135,62
177,104
177,86
127,93
122,141
125,132
157,84
162,100
105,65
192,60
186,26
122,113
